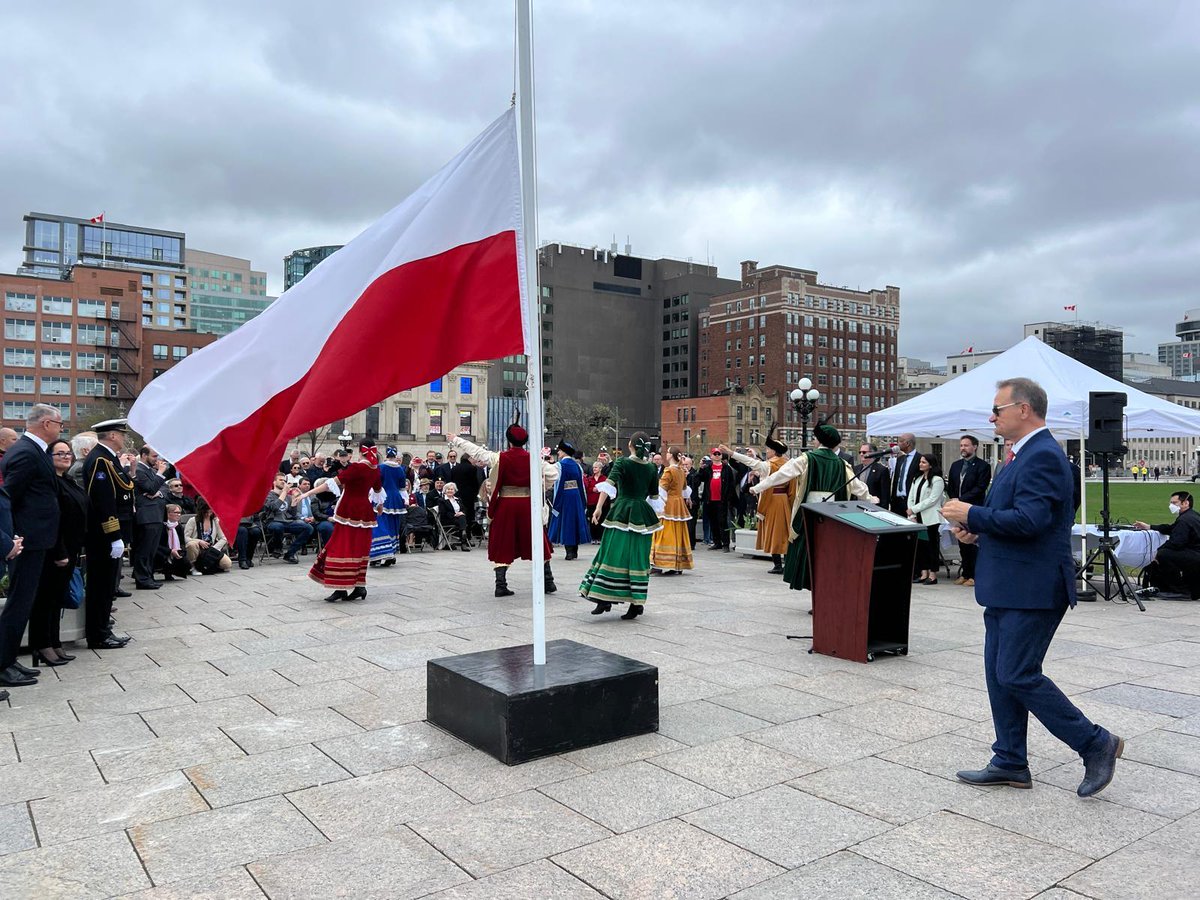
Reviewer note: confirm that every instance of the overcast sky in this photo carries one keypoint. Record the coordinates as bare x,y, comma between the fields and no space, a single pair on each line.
996,161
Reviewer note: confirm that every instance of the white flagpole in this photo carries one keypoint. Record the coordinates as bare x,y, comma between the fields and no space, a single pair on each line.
533,311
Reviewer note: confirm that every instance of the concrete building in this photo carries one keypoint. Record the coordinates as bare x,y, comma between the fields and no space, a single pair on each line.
226,291
961,363
1182,353
916,376
1100,346
782,324
1182,453
1143,366
738,416
299,263
54,244
616,329
80,342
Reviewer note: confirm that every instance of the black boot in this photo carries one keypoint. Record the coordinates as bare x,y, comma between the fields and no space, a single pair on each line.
359,593
337,595
777,568
548,579
602,606
572,552
502,582
635,610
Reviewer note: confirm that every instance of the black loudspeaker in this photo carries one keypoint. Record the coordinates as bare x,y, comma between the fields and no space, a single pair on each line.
1106,422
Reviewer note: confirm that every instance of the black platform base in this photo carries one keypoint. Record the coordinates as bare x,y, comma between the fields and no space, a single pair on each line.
498,701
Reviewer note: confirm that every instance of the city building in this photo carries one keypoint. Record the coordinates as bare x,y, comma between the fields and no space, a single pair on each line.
79,343
225,291
1181,354
299,263
737,416
782,325
916,376
616,329
962,363
1175,453
54,244
1101,347
1144,366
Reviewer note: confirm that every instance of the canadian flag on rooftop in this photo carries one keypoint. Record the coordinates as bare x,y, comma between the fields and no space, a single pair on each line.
339,341
1070,308
96,220
970,349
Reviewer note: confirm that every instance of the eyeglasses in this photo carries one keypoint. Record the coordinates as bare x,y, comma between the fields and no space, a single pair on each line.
65,454
996,409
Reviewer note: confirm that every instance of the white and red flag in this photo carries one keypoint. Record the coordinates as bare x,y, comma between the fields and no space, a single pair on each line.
1070,308
96,220
335,343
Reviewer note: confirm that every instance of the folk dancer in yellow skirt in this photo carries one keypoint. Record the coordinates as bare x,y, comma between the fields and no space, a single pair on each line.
775,505
671,551
818,475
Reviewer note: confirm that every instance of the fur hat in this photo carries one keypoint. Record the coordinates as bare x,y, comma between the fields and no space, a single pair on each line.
779,447
515,434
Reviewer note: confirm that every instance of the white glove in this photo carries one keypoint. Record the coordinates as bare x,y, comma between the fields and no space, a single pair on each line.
118,549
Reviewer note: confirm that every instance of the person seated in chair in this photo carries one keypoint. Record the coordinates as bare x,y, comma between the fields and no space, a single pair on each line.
1176,566
311,510
454,519
280,517
171,558
203,532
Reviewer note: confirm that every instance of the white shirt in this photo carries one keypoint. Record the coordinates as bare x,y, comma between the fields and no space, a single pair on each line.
37,440
1016,448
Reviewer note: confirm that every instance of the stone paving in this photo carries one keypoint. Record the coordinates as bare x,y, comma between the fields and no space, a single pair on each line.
255,741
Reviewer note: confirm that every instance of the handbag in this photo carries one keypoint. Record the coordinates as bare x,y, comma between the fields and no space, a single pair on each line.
209,561
73,597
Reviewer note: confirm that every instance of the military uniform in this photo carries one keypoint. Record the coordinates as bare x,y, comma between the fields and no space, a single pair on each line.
110,494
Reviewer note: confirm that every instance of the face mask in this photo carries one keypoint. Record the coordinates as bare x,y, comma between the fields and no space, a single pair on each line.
1174,507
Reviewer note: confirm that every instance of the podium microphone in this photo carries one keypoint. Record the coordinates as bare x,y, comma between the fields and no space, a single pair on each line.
879,454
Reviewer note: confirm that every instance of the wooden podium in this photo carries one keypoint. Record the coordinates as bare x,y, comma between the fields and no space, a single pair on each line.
862,560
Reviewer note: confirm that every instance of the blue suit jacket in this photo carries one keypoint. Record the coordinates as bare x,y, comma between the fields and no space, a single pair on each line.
6,528
33,489
1025,559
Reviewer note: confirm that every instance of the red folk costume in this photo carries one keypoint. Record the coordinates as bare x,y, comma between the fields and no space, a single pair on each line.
342,562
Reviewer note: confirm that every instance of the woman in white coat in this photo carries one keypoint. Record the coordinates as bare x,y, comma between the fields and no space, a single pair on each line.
926,496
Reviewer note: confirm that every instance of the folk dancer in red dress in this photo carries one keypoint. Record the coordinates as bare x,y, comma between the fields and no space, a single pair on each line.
342,562
508,536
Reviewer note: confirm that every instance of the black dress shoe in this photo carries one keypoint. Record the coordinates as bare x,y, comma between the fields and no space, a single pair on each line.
39,659
107,644
359,593
1100,766
250,563
336,596
292,560
13,677
1018,778
25,670
121,593
775,570
242,564
147,586
169,577
3,696
67,656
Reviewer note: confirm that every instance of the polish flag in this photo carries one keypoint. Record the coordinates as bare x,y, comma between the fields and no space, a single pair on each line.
338,341
1070,308
96,220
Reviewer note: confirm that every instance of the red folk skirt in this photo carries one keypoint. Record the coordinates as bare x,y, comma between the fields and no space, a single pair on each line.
342,563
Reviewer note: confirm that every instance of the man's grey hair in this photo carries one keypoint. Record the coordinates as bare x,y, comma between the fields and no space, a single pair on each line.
82,443
1026,390
40,412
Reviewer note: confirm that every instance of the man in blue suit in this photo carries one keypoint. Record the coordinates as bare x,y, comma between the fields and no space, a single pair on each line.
1025,580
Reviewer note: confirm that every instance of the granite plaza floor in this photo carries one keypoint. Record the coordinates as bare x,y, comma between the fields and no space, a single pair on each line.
253,740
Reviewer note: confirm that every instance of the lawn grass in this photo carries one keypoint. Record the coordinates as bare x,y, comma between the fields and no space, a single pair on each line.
1131,501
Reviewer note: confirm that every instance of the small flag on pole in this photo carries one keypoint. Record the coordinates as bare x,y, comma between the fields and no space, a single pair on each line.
96,220
1187,356
970,349
1070,308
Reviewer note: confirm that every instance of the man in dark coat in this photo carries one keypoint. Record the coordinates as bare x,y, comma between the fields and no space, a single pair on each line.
904,473
718,494
150,499
32,487
875,475
110,495
467,478
1176,565
968,482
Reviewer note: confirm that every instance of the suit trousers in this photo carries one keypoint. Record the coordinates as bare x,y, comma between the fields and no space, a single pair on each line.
1015,643
100,585
24,573
146,539
969,553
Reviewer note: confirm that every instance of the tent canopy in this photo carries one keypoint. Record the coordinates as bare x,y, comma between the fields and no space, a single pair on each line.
963,405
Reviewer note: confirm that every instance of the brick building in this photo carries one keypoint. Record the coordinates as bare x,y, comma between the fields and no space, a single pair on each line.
79,342
783,325
738,416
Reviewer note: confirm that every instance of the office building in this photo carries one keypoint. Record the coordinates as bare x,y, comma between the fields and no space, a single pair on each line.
225,291
782,324
738,416
1182,353
1143,367
962,363
79,343
299,263
1099,346
617,329
54,244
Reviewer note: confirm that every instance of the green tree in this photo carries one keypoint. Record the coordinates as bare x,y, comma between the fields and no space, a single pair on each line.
587,427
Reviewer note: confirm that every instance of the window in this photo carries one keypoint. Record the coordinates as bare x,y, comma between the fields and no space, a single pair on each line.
17,409
178,353
89,387
162,320
20,329
20,302
738,414
435,420
85,361
19,356
91,309
18,384
162,294
164,280
92,334
466,383
56,359
56,384
56,332
160,351
404,420
435,387
59,306
464,421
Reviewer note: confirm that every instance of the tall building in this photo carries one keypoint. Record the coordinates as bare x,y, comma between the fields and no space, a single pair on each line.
782,325
617,329
79,343
226,292
54,243
299,263
1098,346
1181,354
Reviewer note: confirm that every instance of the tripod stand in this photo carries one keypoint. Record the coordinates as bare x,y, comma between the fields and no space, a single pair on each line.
1114,575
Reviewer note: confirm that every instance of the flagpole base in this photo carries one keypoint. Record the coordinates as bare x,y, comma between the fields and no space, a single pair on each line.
501,703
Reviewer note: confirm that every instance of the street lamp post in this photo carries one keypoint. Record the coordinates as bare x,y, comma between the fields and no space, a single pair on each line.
345,439
805,399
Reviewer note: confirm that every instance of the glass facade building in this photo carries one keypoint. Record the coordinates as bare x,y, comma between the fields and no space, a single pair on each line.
226,292
299,263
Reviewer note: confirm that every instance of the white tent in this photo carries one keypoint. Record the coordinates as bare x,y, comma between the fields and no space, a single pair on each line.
964,404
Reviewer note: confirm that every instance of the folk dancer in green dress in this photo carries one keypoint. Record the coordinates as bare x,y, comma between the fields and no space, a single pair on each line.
620,571
820,474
